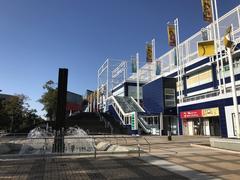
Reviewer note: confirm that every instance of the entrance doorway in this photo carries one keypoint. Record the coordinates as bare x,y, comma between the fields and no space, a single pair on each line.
203,126
214,126
170,123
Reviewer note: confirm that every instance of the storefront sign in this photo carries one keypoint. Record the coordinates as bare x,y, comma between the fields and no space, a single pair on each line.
191,114
210,112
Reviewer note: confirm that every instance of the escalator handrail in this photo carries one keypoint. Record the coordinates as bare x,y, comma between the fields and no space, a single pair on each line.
144,127
137,104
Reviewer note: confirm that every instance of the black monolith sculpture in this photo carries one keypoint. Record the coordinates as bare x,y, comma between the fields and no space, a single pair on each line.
61,111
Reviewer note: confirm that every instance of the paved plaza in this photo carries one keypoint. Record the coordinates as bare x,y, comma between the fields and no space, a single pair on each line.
83,168
176,159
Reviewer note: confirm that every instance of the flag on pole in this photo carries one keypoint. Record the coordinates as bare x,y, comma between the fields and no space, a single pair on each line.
134,64
175,57
227,41
207,10
206,48
171,35
149,52
204,33
158,67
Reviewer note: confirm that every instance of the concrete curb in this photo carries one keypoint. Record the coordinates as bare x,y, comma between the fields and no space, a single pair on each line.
213,148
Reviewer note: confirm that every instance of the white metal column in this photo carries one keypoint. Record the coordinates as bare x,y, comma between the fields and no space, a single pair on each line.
137,59
235,103
219,46
215,44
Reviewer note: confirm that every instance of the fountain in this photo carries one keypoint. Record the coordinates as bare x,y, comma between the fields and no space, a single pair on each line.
41,141
77,141
38,141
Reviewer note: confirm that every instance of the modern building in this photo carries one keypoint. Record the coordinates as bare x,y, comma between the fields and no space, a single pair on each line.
74,103
191,97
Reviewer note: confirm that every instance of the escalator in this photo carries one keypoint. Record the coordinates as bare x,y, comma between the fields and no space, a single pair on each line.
128,105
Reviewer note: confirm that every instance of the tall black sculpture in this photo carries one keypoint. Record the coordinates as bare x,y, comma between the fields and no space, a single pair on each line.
61,110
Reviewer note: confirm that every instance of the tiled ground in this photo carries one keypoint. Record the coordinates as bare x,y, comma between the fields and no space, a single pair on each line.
219,164
214,163
82,168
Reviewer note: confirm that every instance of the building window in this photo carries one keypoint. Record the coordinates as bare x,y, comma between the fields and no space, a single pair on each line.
170,100
199,78
236,68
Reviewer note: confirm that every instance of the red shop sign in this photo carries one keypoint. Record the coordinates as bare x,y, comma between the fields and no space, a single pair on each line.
191,114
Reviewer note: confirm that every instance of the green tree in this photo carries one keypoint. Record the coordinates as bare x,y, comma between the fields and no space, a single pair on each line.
49,99
16,115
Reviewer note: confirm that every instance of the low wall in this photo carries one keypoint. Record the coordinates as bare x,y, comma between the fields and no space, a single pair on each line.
224,143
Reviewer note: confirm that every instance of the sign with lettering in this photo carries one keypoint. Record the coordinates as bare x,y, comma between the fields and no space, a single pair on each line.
191,114
210,112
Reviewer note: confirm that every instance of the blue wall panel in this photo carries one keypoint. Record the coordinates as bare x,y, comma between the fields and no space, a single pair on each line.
153,96
197,64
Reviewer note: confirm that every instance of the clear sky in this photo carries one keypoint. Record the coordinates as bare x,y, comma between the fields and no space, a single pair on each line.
39,36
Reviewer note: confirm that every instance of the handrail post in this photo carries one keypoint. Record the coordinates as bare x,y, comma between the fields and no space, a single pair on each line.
125,139
138,150
138,146
149,145
95,150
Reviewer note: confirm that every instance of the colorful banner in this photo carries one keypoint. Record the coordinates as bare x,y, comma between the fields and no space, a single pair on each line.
158,67
171,35
207,10
227,41
204,33
149,57
134,65
191,114
210,112
206,48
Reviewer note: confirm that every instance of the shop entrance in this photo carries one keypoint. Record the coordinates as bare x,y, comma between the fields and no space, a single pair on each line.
198,127
201,122
170,124
214,126
203,126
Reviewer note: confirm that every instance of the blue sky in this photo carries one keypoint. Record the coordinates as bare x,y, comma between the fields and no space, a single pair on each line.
39,36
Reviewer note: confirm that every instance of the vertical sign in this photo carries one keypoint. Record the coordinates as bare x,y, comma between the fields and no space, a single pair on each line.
158,67
207,10
134,64
149,52
132,121
171,35
204,33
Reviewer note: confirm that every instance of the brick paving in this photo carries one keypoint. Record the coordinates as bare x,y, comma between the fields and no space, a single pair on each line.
179,153
220,164
59,168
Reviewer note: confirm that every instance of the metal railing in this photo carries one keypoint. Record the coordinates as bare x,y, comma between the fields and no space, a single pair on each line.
208,95
85,145
201,96
188,48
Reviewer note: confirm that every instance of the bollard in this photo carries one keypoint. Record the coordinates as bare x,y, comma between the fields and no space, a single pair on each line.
138,150
95,153
169,136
